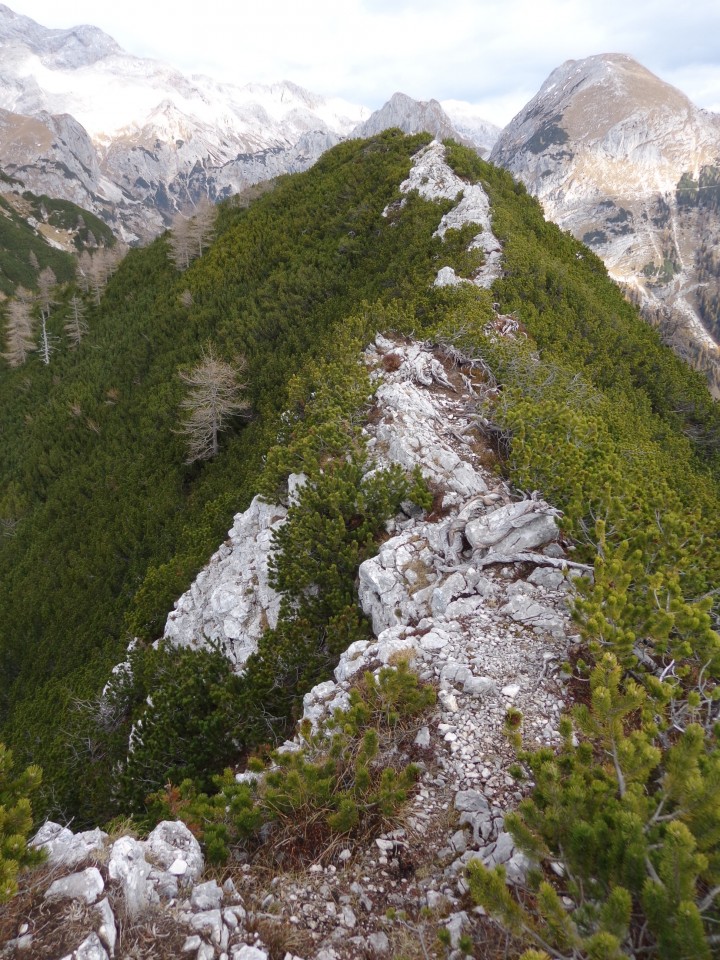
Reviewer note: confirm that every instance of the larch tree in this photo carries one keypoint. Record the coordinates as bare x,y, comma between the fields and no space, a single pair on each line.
76,325
190,237
202,226
82,271
19,340
181,242
100,268
213,397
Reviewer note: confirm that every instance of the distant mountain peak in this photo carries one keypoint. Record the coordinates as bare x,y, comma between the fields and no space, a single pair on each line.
145,139
605,146
74,47
415,116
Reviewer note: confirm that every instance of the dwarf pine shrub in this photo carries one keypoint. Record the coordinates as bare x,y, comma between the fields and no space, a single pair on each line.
15,822
345,781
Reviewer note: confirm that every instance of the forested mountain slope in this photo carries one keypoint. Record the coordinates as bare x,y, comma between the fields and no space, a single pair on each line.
583,404
38,232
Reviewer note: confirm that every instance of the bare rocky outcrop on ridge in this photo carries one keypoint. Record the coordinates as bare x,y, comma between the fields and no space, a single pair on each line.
604,145
474,595
434,179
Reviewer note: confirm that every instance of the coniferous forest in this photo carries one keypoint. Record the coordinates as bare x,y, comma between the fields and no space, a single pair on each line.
106,519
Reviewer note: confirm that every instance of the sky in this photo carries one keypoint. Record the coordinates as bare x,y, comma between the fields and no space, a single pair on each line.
495,53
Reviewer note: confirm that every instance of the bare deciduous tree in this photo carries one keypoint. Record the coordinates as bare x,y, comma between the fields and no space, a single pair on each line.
82,272
101,266
202,225
180,242
76,325
214,396
189,237
47,282
18,333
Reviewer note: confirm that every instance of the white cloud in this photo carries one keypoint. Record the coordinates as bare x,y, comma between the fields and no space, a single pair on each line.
494,52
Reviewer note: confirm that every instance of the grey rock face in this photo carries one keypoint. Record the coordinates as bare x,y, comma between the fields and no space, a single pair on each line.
603,145
411,116
231,601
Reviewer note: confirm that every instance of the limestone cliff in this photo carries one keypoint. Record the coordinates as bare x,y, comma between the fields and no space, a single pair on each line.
605,146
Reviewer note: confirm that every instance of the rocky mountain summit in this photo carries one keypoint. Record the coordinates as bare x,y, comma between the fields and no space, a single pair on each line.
606,146
414,116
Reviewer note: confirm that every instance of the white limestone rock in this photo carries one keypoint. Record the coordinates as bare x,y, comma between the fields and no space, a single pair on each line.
247,952
231,601
514,528
129,868
542,619
90,949
171,841
209,924
87,886
107,931
446,277
206,896
68,848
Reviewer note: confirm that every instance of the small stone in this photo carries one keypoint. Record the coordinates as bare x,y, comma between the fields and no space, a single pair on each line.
178,868
247,952
107,931
206,896
434,899
511,690
471,800
229,889
348,917
90,949
422,739
191,943
379,943
459,841
209,922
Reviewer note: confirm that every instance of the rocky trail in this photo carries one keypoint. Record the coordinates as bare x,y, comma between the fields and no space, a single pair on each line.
474,595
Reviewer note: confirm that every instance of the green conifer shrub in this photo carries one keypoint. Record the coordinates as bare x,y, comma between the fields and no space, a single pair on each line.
345,781
15,822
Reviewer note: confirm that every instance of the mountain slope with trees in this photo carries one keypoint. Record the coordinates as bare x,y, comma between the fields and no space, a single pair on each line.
111,523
